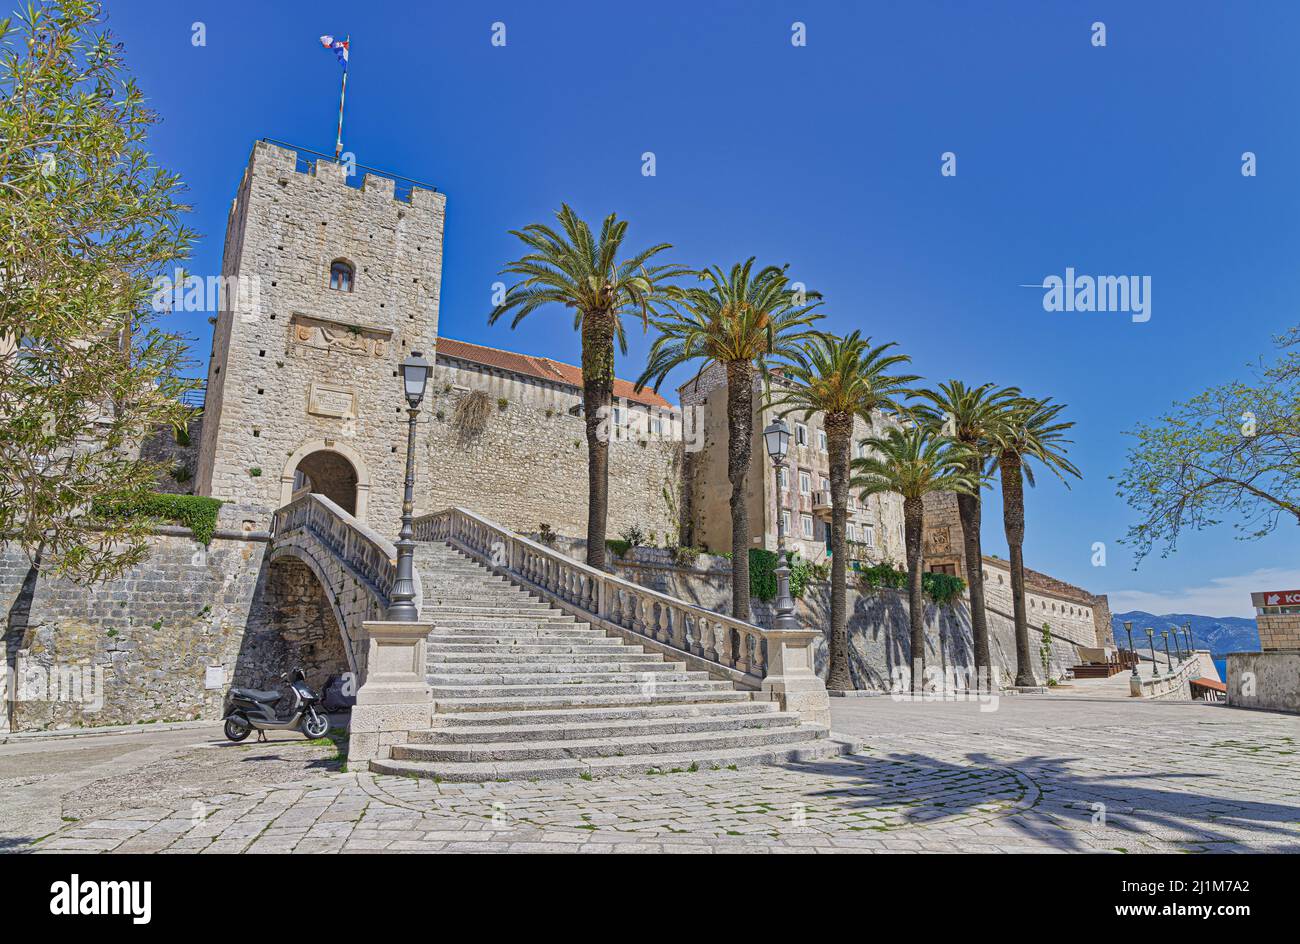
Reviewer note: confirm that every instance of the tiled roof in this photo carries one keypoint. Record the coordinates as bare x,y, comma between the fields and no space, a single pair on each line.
543,368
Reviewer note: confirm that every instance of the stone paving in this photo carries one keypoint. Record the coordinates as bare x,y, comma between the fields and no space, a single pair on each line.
1038,775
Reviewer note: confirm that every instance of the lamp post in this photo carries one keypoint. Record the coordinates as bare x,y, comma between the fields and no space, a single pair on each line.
1155,669
1187,631
1128,628
777,438
1169,662
401,606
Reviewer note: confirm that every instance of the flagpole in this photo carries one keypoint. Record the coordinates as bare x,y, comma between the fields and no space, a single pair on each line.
338,146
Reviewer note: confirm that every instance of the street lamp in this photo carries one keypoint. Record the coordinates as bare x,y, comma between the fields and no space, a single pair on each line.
777,438
401,606
1128,628
1155,669
1187,631
1168,659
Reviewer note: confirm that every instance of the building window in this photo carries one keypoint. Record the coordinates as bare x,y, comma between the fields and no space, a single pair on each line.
850,532
821,439
801,434
618,416
826,484
341,275
805,483
783,478
785,522
805,522
869,535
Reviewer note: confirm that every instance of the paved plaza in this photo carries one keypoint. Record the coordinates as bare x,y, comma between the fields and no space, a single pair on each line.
1039,774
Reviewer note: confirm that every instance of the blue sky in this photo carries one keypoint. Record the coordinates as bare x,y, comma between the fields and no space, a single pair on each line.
1117,160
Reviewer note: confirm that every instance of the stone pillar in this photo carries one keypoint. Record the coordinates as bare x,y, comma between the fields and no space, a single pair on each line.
395,699
790,677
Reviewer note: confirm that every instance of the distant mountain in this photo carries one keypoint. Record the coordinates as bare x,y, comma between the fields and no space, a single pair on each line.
1219,634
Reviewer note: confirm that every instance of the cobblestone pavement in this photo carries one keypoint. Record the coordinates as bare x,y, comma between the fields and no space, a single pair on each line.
1039,774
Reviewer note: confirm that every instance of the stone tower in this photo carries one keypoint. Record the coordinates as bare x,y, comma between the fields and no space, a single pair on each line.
338,284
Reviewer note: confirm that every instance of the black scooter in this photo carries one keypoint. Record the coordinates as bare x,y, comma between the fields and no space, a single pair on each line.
250,709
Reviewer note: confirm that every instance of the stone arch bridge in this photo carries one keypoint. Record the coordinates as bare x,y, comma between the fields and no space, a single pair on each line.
353,566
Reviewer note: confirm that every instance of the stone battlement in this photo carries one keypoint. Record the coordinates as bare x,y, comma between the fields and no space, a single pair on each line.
294,166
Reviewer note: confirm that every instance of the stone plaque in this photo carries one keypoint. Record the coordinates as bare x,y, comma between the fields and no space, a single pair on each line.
936,541
329,400
214,678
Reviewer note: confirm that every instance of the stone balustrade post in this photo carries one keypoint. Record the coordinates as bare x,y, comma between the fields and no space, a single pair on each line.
791,679
394,699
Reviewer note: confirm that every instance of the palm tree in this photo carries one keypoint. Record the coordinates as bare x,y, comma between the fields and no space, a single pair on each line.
743,321
1027,432
584,273
967,415
912,463
842,378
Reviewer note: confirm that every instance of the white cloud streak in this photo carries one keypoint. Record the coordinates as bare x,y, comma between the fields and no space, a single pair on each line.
1222,596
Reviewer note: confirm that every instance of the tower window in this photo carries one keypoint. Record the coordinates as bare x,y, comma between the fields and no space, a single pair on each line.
341,275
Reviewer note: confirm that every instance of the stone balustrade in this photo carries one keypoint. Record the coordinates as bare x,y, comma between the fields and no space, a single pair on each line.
1173,684
726,647
362,550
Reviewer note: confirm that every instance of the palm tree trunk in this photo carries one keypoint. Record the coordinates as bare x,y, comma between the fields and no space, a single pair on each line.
839,434
597,399
740,428
968,509
1013,522
913,526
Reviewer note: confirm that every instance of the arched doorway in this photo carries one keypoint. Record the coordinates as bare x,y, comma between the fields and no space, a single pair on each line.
330,469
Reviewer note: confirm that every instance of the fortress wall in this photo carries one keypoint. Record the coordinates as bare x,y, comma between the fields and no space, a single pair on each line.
528,465
143,642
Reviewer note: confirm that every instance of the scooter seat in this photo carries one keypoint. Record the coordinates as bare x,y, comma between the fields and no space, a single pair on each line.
255,694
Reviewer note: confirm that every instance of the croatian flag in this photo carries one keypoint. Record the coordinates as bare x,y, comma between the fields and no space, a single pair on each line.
340,47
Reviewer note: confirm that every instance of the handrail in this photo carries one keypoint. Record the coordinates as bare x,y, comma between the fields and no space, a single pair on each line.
741,649
364,551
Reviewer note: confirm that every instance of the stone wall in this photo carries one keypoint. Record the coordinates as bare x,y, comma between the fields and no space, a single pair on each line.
178,453
1278,630
527,465
1070,618
140,648
1265,680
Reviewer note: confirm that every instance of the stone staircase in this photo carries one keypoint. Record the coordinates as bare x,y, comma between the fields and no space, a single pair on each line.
522,691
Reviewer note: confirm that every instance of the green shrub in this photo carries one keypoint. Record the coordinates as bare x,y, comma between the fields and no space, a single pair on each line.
195,512
633,535
762,574
619,547
942,589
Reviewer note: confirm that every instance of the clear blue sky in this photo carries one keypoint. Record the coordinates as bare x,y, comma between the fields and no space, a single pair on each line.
1118,160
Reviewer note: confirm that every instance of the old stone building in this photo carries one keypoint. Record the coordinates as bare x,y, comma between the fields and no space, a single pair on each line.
303,390
875,524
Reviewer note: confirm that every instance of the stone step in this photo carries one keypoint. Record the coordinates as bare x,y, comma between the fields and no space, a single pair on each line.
476,608
541,629
470,626
570,730
579,686
561,717
534,647
575,699
599,767
626,746
633,661
517,670
584,676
